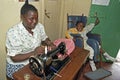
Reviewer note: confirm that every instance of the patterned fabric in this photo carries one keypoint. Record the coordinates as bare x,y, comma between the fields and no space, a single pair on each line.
20,41
12,68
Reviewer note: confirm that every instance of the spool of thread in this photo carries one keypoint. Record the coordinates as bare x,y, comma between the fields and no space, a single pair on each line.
45,49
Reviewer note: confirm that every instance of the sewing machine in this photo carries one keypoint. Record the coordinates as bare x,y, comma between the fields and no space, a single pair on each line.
48,64
71,65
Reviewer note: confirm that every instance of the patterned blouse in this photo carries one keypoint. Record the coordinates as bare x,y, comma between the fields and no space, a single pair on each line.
20,41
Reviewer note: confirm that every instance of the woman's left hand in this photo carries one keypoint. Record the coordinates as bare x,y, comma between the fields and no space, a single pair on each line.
62,57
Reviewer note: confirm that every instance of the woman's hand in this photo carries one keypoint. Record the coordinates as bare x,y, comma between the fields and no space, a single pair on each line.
62,57
52,46
39,50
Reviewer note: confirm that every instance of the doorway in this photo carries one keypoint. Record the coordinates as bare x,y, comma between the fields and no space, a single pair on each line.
51,18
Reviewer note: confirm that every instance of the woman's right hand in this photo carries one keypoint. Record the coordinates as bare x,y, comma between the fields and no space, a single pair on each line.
39,50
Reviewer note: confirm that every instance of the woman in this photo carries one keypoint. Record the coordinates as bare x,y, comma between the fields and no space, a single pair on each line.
24,39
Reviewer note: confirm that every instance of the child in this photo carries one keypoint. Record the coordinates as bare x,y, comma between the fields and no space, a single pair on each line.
82,31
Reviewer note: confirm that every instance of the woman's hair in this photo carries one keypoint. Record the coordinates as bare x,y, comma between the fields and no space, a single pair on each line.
27,7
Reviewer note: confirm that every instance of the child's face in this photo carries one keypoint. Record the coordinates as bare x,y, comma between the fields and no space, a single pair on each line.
80,27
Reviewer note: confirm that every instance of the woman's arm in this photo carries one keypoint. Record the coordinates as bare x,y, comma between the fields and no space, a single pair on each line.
21,57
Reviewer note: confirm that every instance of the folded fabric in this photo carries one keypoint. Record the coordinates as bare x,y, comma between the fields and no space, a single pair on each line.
68,42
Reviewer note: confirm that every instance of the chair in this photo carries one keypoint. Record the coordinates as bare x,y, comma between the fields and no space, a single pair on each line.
93,39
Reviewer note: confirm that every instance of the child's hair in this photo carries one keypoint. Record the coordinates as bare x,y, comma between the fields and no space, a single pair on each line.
79,22
27,7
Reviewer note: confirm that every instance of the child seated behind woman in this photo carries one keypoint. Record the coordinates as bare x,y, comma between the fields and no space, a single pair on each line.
82,31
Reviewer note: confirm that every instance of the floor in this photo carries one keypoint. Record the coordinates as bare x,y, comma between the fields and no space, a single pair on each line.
113,67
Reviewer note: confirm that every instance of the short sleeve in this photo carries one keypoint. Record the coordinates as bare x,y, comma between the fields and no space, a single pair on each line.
13,43
42,32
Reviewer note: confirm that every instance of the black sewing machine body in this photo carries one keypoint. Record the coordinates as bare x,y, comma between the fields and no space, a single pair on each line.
46,65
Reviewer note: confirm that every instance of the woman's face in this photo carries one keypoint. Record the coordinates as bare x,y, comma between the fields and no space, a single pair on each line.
30,19
80,26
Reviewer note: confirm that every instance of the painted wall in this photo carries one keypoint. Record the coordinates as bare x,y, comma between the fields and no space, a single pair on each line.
9,16
109,26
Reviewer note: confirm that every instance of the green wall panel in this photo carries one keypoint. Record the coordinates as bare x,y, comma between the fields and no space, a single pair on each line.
109,26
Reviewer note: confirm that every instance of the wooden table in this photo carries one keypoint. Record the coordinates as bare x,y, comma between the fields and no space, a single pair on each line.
68,72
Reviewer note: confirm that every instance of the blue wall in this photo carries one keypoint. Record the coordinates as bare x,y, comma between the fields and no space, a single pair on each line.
109,26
